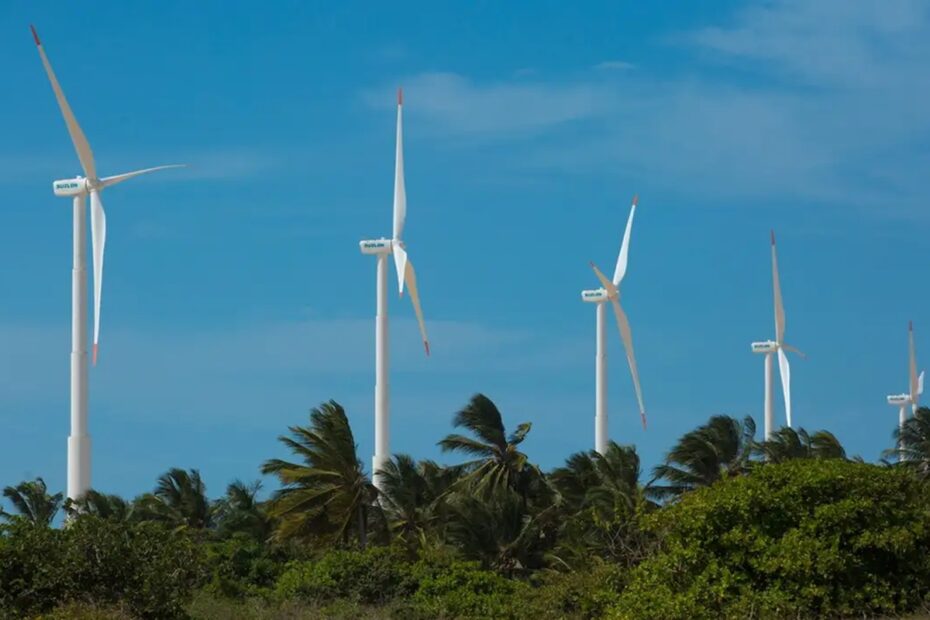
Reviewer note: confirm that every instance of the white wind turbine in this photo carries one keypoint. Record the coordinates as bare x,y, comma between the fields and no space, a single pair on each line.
405,275
609,291
777,346
78,188
915,385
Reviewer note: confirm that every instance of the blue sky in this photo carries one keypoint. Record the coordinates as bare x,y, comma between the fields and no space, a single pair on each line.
236,297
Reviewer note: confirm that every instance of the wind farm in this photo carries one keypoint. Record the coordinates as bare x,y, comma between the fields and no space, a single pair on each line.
244,463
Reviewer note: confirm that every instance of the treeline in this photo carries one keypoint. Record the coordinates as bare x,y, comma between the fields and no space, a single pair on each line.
727,527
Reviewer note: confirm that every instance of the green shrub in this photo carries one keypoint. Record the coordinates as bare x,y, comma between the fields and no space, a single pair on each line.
242,566
32,578
805,538
584,594
465,590
370,577
147,568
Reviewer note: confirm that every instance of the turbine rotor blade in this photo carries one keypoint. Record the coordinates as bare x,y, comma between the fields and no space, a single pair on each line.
788,347
98,220
913,380
610,287
411,278
779,307
784,369
623,324
400,192
85,155
119,178
400,262
623,257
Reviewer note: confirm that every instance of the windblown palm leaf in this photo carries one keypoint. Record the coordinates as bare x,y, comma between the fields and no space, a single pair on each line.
240,511
913,440
327,495
499,464
718,449
32,502
787,444
109,507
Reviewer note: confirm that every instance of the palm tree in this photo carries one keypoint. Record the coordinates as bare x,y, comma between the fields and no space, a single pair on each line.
33,502
327,495
718,449
499,464
787,444
606,482
913,440
240,511
499,530
412,494
110,507
600,497
179,498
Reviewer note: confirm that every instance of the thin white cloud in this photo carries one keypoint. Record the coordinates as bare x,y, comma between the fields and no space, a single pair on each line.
615,65
819,100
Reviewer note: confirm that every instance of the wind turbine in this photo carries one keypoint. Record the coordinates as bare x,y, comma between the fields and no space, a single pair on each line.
609,291
405,275
78,189
778,346
915,385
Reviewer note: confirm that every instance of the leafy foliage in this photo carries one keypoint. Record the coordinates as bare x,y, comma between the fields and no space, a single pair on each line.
328,496
825,538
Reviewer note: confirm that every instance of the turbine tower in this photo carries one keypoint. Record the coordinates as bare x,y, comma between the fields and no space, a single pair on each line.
78,189
609,291
405,275
778,347
915,385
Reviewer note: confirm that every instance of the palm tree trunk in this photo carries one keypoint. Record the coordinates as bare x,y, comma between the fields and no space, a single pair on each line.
362,531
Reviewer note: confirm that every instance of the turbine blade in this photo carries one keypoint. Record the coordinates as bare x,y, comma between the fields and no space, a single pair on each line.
912,362
85,155
784,369
400,262
779,308
98,220
119,178
623,324
609,286
788,347
400,192
622,259
411,277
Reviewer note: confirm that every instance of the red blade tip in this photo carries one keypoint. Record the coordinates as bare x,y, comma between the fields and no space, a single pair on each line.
400,96
635,199
426,346
643,418
95,354
35,35
910,326
773,236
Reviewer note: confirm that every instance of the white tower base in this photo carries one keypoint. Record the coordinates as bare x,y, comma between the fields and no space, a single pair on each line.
382,412
902,418
768,412
79,440
600,383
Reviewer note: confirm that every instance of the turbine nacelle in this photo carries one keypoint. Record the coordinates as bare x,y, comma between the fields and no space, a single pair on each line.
71,187
899,400
768,346
376,246
595,296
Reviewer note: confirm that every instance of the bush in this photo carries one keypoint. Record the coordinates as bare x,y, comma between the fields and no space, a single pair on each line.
465,590
582,594
242,566
148,568
804,538
370,577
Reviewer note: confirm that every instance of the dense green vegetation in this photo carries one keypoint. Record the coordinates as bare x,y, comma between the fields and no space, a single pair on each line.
727,527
